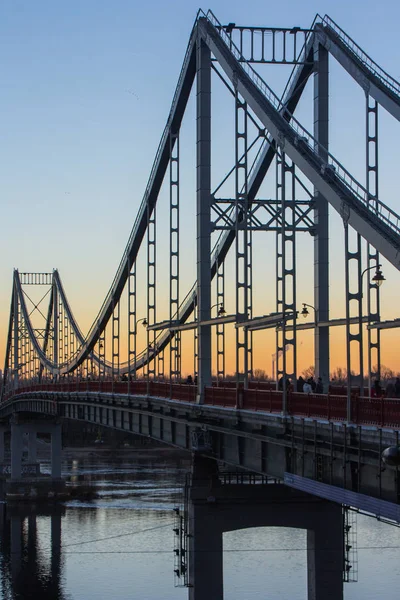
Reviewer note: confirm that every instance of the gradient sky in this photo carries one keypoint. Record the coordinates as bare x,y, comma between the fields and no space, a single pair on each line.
86,88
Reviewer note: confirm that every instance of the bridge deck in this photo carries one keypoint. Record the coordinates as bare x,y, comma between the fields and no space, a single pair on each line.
365,411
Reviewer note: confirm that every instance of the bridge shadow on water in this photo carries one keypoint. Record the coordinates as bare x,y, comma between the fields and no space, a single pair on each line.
29,570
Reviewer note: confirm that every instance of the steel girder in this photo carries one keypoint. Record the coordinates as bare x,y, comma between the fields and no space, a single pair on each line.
375,82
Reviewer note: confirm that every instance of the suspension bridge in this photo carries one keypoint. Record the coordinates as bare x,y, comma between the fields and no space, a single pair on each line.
127,371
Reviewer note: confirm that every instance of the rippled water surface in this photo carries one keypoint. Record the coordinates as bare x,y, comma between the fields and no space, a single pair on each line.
120,545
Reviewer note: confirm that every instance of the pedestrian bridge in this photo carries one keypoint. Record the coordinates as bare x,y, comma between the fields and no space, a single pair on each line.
312,446
332,442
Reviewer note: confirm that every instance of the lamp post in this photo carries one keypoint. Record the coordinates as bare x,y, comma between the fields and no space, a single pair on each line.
378,279
306,312
144,323
221,311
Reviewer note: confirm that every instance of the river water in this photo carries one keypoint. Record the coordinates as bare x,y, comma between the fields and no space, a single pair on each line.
120,545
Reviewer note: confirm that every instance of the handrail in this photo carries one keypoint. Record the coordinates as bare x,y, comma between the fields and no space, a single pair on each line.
387,79
376,208
378,412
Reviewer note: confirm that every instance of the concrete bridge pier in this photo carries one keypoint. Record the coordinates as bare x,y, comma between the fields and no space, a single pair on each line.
25,482
56,450
3,430
16,446
32,429
216,507
32,446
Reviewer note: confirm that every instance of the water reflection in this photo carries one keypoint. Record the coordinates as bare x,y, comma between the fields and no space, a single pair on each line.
31,566
120,544
96,547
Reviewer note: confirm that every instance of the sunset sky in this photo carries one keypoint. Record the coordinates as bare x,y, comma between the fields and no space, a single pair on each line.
86,91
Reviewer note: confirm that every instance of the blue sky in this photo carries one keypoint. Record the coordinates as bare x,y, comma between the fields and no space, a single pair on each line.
86,88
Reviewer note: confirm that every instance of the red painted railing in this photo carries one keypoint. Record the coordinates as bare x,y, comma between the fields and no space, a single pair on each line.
381,412
264,400
221,396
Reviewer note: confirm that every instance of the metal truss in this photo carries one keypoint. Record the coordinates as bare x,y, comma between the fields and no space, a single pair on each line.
354,332
268,45
132,323
265,215
59,349
373,293
175,345
220,326
244,360
151,290
286,359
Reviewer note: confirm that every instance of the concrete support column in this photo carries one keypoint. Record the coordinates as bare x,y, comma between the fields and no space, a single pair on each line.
205,552
321,219
2,519
205,532
203,212
2,434
16,451
56,449
32,446
325,554
204,471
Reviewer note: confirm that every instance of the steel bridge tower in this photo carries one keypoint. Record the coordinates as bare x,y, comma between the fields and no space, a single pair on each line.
271,151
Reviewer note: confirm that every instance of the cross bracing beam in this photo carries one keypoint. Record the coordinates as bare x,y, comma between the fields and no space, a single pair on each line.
264,215
343,192
268,45
194,324
374,80
385,324
46,362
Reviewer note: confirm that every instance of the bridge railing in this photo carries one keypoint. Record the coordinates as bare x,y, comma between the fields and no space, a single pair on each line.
380,412
263,400
221,396
322,406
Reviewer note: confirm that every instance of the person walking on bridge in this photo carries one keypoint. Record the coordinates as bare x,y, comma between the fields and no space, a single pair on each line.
307,389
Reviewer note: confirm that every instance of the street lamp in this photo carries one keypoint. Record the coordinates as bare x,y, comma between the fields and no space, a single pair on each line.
305,312
221,311
144,323
378,278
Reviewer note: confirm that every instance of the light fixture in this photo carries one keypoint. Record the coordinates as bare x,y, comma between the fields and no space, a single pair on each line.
378,278
305,311
221,311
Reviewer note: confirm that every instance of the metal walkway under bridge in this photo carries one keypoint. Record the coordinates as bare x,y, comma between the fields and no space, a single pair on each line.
273,206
